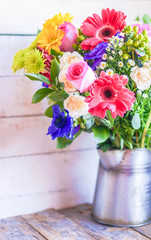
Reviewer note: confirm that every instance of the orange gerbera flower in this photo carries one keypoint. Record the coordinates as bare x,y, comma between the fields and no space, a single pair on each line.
50,39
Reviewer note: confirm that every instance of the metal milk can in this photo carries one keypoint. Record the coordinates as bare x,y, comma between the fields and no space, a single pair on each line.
123,189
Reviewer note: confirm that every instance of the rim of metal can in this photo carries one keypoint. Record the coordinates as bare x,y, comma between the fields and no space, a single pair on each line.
126,160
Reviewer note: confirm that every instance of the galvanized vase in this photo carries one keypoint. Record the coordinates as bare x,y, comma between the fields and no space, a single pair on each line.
123,189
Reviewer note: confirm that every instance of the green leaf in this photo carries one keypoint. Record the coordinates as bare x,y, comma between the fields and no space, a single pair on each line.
136,123
54,71
88,120
55,53
101,134
63,142
129,145
49,111
146,19
121,143
104,146
37,77
38,31
41,94
137,19
58,96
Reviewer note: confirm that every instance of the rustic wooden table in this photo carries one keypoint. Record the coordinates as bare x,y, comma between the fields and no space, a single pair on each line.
72,223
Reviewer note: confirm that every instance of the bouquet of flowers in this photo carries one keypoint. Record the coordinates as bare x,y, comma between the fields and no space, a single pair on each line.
96,79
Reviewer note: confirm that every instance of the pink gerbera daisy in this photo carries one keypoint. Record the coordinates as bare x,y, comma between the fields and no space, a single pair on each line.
101,29
108,93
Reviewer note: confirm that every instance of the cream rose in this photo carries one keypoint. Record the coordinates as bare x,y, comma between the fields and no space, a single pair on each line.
76,106
142,76
69,58
68,86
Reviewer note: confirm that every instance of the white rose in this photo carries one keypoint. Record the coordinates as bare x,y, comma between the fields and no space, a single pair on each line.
68,86
142,76
69,58
76,106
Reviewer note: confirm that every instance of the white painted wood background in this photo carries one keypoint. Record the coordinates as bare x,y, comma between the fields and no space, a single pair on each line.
33,174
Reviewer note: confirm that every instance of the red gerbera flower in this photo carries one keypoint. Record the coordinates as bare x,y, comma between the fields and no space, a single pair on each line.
108,93
101,29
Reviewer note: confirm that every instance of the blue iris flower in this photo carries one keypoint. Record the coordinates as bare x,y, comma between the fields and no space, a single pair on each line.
96,54
62,124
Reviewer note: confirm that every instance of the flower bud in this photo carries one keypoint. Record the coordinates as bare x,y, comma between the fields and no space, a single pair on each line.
144,32
145,58
129,28
125,56
142,45
134,36
81,38
135,29
140,37
79,48
75,46
129,42
146,39
136,43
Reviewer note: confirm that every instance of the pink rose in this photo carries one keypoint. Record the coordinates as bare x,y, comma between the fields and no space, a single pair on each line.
81,76
143,26
69,38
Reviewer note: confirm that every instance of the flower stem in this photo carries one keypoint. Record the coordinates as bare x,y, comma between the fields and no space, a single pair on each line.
145,130
136,133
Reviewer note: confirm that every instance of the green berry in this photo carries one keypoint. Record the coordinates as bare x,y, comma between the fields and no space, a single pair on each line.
129,42
146,39
75,46
140,37
81,38
79,47
134,36
129,28
125,56
136,43
142,45
135,29
144,32
145,58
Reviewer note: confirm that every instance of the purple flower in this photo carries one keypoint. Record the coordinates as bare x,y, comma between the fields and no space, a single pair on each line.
45,85
62,124
118,34
96,54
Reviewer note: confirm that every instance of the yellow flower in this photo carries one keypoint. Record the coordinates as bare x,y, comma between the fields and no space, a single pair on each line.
19,59
57,20
50,39
34,62
33,45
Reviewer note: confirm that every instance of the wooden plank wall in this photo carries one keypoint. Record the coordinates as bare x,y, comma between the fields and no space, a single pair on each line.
33,174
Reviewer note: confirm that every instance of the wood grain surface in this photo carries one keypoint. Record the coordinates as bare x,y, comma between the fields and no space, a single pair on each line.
82,215
67,224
